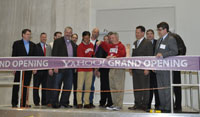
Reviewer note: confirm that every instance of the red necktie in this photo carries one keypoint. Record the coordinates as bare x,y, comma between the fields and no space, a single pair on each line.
44,50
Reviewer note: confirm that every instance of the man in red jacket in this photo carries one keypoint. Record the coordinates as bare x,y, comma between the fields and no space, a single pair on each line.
85,49
116,76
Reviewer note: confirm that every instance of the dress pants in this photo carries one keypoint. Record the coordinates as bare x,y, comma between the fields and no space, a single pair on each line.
105,86
15,91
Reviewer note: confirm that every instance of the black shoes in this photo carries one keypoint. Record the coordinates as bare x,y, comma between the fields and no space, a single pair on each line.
79,106
56,105
92,105
66,106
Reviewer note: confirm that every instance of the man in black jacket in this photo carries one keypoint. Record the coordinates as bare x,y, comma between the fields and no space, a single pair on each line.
106,99
153,81
23,47
177,74
63,47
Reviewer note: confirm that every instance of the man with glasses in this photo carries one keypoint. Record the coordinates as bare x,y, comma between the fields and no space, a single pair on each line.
166,46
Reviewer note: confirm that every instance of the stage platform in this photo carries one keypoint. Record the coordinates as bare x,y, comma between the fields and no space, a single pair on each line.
8,111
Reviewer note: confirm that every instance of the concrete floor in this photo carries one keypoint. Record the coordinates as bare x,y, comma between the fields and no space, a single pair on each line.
8,111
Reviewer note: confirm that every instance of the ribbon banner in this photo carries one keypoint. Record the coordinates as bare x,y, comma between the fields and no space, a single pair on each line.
179,63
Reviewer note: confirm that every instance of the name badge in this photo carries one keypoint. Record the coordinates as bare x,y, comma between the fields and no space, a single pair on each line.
162,46
133,47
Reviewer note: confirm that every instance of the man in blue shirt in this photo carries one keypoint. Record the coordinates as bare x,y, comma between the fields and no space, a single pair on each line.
23,47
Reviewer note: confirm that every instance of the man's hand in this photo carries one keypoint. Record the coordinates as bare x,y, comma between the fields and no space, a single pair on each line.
159,55
97,73
51,72
98,42
55,70
146,72
108,57
131,72
34,72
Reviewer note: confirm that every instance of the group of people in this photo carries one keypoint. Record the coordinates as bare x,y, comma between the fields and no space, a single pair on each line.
82,80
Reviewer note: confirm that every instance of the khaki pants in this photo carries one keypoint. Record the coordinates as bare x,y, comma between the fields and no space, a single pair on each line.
117,80
84,77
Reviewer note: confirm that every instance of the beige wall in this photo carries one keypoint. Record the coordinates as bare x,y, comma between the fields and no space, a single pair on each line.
40,16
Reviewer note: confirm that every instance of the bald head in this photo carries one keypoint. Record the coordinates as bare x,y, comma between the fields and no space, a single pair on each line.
95,33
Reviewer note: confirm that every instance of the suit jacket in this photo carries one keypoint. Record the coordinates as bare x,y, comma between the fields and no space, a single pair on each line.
154,45
169,47
18,49
180,43
40,51
145,48
60,48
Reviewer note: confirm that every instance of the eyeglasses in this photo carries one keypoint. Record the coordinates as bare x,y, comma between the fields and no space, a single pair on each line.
160,29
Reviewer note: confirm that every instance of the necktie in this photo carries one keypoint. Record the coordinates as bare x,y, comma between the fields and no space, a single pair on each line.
160,42
138,43
44,50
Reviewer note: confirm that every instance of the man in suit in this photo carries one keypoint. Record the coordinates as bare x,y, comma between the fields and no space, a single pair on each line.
23,47
166,46
63,47
50,78
153,81
75,39
177,74
106,99
40,76
141,80
94,40
57,35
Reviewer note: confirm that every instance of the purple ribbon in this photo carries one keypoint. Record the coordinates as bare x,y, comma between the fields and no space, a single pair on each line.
178,63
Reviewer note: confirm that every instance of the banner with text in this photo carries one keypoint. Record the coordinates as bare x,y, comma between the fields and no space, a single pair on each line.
179,63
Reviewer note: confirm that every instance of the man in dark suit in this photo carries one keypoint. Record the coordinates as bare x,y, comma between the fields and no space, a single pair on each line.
177,74
105,98
94,40
75,80
63,47
141,80
166,46
23,47
40,76
153,81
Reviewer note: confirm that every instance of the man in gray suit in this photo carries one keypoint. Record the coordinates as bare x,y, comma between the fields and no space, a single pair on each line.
141,80
166,46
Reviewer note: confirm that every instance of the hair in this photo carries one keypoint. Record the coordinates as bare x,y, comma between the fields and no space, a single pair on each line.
105,36
85,33
110,33
55,34
43,34
25,30
116,34
150,30
68,27
163,25
142,28
75,34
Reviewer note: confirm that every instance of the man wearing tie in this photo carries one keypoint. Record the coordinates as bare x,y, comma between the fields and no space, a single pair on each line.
153,81
23,47
141,80
63,47
40,76
166,46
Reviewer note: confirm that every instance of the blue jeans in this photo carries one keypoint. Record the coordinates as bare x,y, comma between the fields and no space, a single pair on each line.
66,76
92,88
